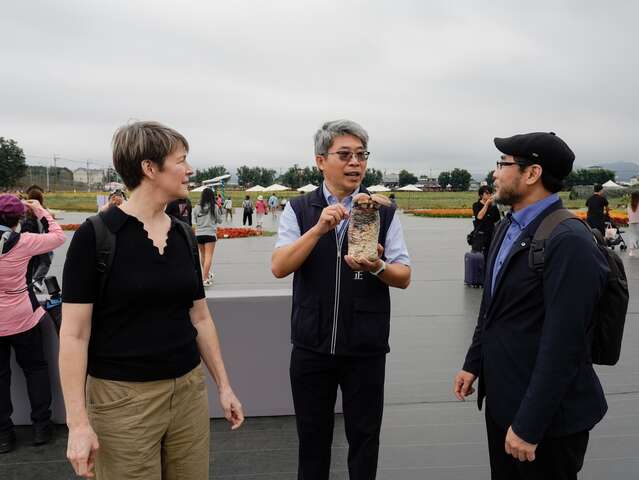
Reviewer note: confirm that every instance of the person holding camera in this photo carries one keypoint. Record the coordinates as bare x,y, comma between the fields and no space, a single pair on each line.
21,315
485,216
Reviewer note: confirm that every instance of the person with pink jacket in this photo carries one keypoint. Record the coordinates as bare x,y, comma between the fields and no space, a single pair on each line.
21,314
261,209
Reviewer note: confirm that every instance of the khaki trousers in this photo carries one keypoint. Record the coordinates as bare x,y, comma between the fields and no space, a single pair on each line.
155,430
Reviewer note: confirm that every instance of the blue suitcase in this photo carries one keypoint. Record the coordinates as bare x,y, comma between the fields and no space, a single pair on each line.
474,269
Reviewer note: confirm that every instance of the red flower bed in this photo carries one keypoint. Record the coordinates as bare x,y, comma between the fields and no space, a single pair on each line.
617,217
237,232
71,227
222,232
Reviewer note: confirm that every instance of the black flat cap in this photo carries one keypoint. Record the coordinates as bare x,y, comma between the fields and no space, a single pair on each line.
542,148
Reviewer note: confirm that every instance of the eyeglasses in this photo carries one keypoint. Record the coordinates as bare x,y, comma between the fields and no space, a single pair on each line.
520,162
501,165
346,155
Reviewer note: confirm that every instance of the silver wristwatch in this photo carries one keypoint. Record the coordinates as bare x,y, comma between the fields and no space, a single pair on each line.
380,269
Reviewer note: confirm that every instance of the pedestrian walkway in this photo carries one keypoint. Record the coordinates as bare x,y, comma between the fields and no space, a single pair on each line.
426,433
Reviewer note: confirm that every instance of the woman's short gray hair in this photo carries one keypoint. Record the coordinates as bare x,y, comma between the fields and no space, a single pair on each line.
139,141
325,136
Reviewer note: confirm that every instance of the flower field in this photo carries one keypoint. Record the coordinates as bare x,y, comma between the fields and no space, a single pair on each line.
618,217
222,232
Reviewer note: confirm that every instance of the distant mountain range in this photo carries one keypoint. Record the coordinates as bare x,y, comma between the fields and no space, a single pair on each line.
624,170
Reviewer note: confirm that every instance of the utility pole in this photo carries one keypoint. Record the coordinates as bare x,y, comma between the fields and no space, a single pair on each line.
55,170
88,178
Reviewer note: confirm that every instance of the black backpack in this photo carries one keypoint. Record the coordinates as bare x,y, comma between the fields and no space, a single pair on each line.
609,316
105,244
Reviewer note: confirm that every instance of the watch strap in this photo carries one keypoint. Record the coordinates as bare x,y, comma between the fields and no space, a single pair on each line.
380,269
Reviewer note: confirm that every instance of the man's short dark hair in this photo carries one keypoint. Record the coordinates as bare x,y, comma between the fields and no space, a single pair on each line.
598,187
550,182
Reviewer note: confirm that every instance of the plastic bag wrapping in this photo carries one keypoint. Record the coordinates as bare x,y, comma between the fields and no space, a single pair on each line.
363,233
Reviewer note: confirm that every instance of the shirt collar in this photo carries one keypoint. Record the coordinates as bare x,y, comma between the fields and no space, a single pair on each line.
525,216
115,218
332,199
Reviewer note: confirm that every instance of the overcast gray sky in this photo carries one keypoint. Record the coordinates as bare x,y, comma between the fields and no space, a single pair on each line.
249,82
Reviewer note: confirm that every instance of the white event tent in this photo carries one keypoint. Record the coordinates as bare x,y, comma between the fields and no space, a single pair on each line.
409,188
276,187
612,185
378,188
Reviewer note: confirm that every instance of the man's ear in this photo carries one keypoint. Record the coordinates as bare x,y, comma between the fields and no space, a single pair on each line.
534,174
319,161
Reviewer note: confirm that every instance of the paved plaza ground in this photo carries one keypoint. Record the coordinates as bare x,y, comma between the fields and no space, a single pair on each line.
426,433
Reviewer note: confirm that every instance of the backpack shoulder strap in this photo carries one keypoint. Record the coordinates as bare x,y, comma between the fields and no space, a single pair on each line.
105,244
543,233
187,233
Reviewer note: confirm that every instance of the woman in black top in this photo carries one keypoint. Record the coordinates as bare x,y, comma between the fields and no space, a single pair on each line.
485,216
141,340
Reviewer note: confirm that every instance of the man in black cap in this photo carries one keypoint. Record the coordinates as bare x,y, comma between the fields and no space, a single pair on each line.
530,349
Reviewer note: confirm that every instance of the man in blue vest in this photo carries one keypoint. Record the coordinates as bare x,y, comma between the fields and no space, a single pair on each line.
531,347
341,307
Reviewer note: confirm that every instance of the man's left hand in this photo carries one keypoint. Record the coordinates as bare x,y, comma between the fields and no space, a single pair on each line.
364,265
518,448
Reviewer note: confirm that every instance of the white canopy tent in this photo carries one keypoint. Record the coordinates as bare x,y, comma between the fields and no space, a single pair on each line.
409,188
378,188
256,188
276,187
611,185
307,188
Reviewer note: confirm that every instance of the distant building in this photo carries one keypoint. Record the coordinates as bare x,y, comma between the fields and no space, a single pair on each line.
390,180
92,176
633,181
429,184
473,186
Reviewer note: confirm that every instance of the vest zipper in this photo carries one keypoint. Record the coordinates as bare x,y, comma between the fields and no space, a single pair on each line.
338,277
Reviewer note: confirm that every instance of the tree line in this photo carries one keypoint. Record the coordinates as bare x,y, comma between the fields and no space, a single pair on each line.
13,169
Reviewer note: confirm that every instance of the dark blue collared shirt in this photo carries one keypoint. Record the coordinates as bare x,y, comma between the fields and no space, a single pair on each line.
519,221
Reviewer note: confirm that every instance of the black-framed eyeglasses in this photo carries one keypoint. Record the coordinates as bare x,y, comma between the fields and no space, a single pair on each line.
522,162
346,155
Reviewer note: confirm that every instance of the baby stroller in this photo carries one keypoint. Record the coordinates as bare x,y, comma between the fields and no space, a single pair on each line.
614,236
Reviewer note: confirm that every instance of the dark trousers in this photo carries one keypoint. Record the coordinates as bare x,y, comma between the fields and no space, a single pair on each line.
30,356
314,381
558,458
247,216
598,223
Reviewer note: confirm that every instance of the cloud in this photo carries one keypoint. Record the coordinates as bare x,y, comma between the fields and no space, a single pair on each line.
249,82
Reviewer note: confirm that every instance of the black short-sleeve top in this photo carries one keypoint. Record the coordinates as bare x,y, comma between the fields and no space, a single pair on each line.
596,207
141,329
486,224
